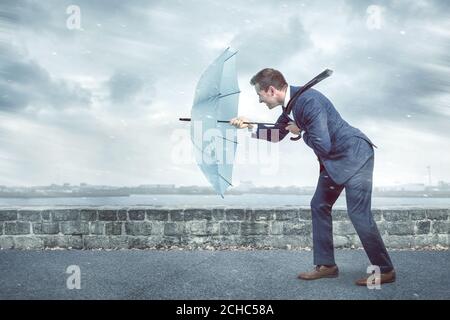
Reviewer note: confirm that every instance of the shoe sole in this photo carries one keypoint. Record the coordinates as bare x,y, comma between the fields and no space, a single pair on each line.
365,284
329,276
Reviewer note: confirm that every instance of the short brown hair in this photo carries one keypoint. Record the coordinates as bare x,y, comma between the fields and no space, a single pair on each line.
269,77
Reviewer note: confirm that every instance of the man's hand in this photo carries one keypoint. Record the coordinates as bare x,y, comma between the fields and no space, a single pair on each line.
292,128
239,123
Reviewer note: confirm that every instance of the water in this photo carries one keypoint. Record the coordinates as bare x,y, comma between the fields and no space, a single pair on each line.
245,200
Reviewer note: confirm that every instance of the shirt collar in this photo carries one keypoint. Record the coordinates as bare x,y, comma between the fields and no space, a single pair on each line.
287,97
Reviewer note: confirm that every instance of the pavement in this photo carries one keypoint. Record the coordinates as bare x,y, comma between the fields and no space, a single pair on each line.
204,275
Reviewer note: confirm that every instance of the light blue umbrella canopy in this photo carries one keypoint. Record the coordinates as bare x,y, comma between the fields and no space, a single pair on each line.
216,98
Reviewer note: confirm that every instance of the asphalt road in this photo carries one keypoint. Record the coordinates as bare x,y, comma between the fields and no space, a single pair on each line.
245,275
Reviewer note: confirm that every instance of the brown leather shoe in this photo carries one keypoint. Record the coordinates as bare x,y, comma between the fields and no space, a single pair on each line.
320,272
387,277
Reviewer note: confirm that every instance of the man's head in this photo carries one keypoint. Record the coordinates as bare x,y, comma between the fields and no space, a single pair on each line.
270,86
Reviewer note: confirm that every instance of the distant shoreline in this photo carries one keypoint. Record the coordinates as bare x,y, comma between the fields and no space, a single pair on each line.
112,194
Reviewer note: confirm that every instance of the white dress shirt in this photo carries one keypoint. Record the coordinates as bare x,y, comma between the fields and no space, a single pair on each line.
287,96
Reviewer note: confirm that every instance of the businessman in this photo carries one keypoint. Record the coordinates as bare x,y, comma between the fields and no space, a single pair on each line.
346,159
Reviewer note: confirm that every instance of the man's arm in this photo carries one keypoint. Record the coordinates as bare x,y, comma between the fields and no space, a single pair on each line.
274,133
316,133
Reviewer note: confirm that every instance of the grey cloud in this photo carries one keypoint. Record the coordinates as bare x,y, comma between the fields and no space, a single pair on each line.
400,75
401,9
33,15
51,16
124,86
399,88
144,56
25,83
130,92
271,42
8,12
169,36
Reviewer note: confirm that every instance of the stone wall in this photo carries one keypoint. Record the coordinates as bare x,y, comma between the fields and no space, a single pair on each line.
111,228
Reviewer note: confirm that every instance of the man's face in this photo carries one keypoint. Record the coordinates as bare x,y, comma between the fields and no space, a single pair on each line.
268,97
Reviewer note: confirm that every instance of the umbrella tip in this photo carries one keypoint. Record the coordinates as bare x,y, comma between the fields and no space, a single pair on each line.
231,49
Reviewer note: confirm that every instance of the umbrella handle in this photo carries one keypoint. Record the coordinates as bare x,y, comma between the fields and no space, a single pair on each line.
223,121
297,137
226,121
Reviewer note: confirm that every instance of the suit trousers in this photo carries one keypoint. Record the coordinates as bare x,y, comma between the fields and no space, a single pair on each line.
358,191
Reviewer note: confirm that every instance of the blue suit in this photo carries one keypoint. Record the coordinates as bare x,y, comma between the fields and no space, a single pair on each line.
346,159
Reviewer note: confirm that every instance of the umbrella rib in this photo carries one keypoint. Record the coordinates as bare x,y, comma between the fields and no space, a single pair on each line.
230,56
199,149
228,94
217,173
219,95
224,179
227,139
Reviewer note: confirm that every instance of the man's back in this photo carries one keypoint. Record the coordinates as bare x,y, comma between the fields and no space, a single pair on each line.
338,129
337,144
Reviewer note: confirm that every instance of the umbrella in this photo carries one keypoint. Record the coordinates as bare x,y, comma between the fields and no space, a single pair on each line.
216,97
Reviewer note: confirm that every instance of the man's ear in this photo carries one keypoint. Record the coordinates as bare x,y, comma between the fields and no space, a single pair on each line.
271,90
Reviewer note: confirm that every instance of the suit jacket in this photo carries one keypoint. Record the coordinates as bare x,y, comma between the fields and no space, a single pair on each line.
340,148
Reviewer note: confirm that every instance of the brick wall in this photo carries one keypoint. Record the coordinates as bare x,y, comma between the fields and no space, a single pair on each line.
90,228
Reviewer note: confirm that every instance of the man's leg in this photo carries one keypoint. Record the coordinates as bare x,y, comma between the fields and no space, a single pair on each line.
358,190
322,202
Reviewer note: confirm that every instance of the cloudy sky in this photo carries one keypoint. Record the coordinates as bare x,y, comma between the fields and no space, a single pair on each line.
100,103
